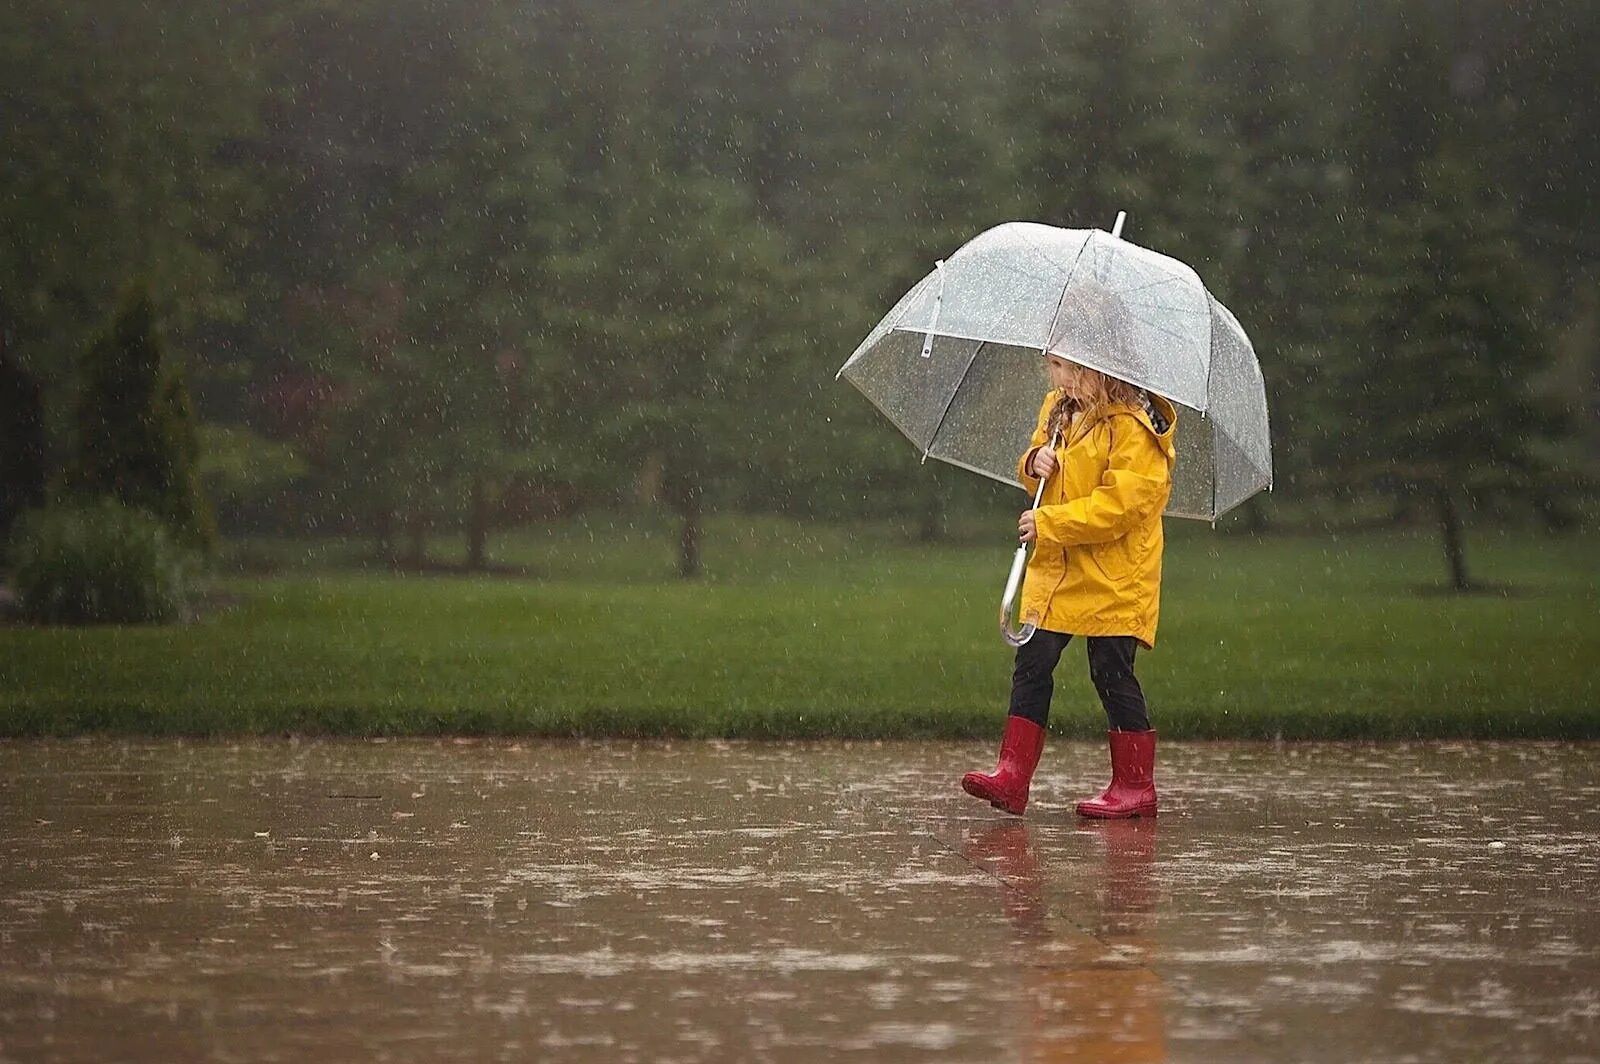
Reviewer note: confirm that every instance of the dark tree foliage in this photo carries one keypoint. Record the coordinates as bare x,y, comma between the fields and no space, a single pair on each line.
22,456
1440,405
136,440
422,243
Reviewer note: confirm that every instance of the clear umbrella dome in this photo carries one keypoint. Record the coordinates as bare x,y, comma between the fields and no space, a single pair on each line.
957,363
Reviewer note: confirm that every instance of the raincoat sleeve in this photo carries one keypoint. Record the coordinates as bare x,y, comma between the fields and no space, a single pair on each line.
1134,483
1030,483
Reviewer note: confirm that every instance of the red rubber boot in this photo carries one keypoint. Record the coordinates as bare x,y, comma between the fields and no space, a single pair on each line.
1006,788
1132,791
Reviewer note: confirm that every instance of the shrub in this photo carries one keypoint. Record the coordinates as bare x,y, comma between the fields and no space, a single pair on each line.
136,437
83,563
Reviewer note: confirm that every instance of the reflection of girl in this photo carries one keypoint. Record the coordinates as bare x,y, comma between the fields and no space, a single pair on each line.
1104,449
1091,996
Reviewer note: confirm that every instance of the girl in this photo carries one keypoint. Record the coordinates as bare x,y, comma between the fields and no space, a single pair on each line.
1095,572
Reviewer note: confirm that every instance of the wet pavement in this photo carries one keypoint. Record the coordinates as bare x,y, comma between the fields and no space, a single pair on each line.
618,902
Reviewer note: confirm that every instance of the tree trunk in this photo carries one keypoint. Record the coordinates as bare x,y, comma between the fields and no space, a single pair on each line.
419,541
649,486
1450,527
477,526
689,541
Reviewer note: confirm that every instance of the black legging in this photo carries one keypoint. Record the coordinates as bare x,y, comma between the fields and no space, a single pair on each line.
1110,669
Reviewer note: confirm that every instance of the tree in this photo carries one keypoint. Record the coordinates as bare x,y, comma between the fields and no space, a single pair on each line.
482,212
1110,130
451,157
671,293
22,461
136,438
114,160
1440,399
1405,114
1278,203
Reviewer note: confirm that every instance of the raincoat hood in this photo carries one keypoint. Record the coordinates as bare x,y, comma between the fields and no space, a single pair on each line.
1165,439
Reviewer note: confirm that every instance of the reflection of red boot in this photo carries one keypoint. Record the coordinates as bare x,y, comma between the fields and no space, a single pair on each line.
1132,791
1127,881
1006,788
1006,851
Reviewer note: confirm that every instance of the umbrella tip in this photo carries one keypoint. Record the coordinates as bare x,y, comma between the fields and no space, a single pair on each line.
1116,227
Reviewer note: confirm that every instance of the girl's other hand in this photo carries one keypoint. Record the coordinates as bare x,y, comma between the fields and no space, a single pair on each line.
1025,528
1044,463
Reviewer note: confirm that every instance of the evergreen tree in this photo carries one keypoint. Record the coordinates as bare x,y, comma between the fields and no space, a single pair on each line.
1405,114
136,439
1107,127
1279,202
481,213
462,134
187,511
670,298
1440,404
116,155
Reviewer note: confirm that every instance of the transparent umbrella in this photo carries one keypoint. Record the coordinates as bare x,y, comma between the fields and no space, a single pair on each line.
957,366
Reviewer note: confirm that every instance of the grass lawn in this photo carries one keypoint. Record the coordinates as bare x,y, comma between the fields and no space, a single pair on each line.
817,631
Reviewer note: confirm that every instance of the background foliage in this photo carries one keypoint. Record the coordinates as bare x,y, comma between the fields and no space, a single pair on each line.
435,266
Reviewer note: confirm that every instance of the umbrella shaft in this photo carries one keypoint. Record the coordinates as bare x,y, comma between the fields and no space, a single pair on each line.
1039,491
1018,565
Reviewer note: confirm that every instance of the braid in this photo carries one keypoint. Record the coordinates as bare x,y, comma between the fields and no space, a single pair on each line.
1061,416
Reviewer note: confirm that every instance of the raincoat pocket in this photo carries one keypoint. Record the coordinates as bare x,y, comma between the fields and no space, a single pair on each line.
1114,559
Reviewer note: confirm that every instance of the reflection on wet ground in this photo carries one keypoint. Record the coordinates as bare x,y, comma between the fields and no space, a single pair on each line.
565,901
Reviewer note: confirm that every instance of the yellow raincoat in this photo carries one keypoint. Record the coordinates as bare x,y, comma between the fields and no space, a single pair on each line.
1096,566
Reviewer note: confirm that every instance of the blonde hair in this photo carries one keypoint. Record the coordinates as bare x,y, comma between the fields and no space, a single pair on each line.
1103,390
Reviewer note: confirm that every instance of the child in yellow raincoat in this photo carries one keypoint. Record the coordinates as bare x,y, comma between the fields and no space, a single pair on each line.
1104,449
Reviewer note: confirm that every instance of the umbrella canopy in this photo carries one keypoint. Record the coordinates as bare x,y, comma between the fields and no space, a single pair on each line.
957,364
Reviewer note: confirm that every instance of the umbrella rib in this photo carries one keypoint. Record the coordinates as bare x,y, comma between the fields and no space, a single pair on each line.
1175,308
1170,333
1021,272
934,436
893,420
1152,325
1211,347
1048,257
1160,329
970,467
1168,279
1216,465
1211,361
1050,336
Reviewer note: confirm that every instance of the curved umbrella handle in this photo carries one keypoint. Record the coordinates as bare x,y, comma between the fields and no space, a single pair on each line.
1015,636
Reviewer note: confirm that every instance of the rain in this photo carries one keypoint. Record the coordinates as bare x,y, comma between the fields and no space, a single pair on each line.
504,507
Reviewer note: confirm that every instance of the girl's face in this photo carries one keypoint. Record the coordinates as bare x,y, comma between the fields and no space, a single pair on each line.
1068,376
